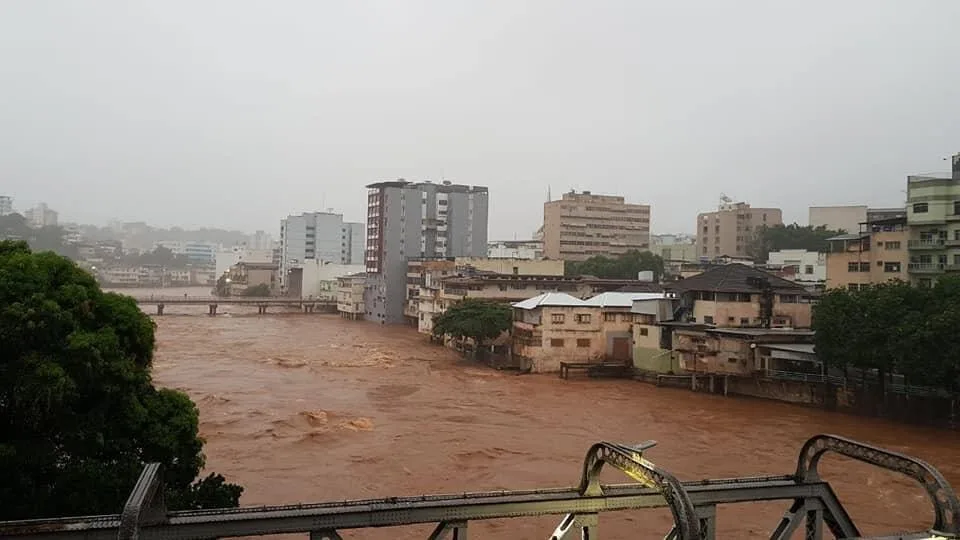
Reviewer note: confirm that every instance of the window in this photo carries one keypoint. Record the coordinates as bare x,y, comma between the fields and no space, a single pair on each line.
864,267
808,269
557,318
582,318
730,319
708,319
643,331
744,321
920,208
789,299
891,267
610,317
556,342
891,245
583,343
853,286
853,267
625,317
956,208
879,263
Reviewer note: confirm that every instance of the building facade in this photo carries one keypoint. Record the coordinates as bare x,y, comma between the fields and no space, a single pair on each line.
203,253
318,236
417,220
838,218
40,216
808,268
675,248
876,254
350,296
933,218
730,230
225,258
584,225
515,249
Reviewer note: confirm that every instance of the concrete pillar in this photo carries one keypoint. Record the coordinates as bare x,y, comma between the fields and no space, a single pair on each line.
159,309
711,383
213,309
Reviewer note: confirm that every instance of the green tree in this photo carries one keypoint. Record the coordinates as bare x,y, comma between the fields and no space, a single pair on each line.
777,237
893,328
257,290
626,266
79,415
160,256
476,319
48,238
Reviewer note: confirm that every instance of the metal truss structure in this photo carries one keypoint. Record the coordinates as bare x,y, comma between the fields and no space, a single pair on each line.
813,504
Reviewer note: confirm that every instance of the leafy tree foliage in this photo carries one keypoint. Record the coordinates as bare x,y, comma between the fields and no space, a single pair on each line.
79,415
50,238
160,256
626,266
792,236
475,319
257,290
894,327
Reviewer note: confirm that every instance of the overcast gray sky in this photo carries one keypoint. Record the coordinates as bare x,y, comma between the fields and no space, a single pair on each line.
234,113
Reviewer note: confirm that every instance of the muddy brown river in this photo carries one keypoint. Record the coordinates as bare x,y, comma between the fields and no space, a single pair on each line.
306,408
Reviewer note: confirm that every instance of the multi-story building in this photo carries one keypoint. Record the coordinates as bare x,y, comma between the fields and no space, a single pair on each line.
933,218
875,254
515,249
736,295
203,253
584,225
417,220
730,230
225,258
6,205
808,268
260,240
350,295
425,276
40,216
838,218
675,249
322,236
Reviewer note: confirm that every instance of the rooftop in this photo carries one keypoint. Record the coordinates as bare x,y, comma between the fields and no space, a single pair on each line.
849,236
734,278
445,185
803,348
622,299
558,299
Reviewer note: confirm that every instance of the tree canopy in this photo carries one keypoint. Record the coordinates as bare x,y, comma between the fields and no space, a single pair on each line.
893,327
159,256
792,236
259,290
49,238
626,266
475,319
79,415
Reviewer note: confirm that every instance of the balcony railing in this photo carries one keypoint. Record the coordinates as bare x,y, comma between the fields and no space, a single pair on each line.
953,268
926,244
926,268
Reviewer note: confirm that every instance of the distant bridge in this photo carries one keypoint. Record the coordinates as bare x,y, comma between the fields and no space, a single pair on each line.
814,509
307,305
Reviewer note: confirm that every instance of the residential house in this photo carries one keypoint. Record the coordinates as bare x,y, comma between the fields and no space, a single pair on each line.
933,217
556,327
652,349
736,295
732,351
876,254
808,268
350,295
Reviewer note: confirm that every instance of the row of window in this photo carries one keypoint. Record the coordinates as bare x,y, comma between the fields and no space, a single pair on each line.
891,267
580,318
584,318
923,208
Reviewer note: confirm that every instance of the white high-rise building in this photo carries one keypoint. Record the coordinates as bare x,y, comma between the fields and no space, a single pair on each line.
320,236
41,216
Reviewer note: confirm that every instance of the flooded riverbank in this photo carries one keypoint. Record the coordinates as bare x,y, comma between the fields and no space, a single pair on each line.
313,407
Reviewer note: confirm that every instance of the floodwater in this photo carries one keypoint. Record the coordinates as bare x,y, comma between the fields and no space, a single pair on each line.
307,408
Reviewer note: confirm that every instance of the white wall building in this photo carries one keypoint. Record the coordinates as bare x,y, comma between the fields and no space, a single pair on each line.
229,257
197,252
40,216
515,249
320,278
319,236
6,205
811,266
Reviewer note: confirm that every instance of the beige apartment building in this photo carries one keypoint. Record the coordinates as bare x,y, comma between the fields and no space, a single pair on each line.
730,230
877,254
584,225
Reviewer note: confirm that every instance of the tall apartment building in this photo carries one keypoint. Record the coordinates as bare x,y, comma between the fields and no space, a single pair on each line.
40,216
875,254
6,205
584,225
318,236
730,230
933,216
417,220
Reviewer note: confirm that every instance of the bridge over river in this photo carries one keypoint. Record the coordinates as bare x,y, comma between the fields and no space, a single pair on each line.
307,305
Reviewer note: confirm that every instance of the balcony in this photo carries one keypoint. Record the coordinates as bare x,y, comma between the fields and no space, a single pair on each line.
953,243
953,268
937,243
953,217
926,268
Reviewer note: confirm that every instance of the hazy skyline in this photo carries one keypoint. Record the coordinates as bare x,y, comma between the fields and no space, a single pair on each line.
236,113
